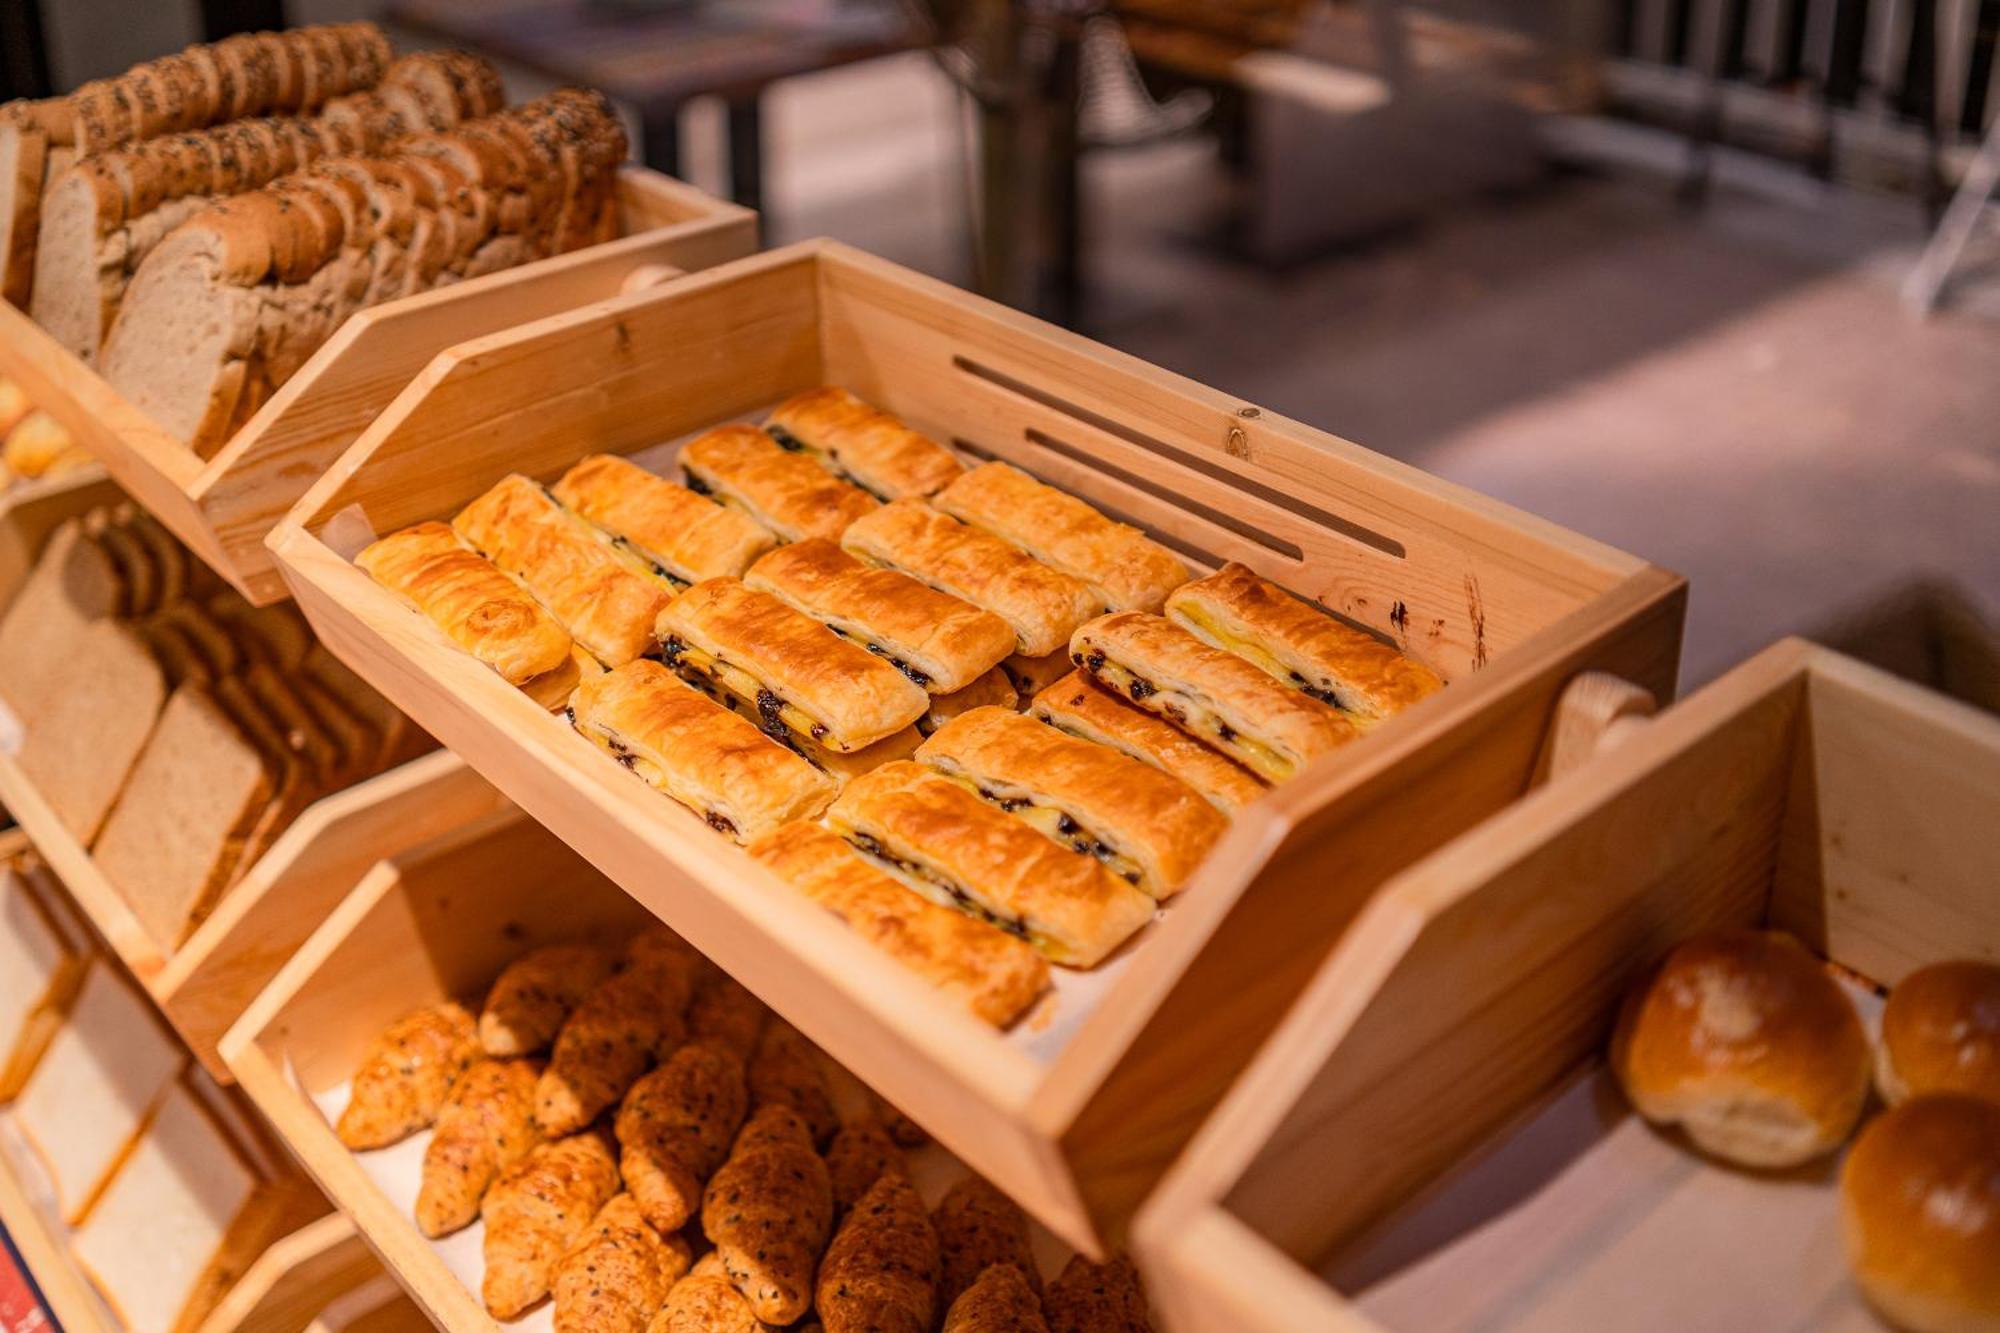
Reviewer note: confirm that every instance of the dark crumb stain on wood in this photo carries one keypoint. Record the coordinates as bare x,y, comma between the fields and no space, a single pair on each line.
1399,616
1475,610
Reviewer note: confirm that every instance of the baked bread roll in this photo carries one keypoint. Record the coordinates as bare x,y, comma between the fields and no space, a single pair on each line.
1920,1214
486,1125
858,1156
402,1083
537,1213
619,1275
535,995
1000,1301
978,1228
880,1274
1941,1033
1742,1039
1097,1298
769,1210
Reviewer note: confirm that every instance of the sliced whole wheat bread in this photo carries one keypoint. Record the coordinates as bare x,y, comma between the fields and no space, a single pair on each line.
74,583
79,750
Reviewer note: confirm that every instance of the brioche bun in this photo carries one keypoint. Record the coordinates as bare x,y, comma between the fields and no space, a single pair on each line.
1941,1033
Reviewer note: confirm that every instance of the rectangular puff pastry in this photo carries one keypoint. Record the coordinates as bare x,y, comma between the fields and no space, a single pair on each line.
844,768
1031,675
939,641
479,608
1147,826
864,444
987,971
1043,605
1078,706
991,690
787,493
798,675
600,595
1127,569
684,537
958,851
743,783
1254,618
1216,697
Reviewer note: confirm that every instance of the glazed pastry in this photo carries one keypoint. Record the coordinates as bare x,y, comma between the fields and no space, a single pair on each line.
1097,1298
844,768
978,1227
535,1213
1077,706
786,493
863,444
605,597
1214,696
684,537
861,1151
1235,610
619,1274
880,1274
694,750
992,690
1147,826
988,971
938,641
786,1071
769,1209
607,1043
1043,605
486,1125
727,1014
946,843
407,1073
1031,675
675,1128
1128,570
706,1301
479,608
1000,1301
535,994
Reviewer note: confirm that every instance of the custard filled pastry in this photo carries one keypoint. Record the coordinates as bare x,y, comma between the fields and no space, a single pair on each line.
992,690
1086,710
864,444
786,493
464,594
684,537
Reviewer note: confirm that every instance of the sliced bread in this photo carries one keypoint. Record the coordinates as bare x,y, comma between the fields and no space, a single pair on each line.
79,750
73,584
40,970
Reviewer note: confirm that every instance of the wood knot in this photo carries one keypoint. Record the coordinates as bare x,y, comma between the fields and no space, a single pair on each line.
1238,445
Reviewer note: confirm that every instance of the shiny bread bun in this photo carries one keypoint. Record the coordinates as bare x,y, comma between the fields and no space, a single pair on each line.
1742,1039
1920,1214
1941,1033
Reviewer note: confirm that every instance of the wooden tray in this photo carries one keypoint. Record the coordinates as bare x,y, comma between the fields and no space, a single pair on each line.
1076,1112
1429,1141
202,986
434,922
223,507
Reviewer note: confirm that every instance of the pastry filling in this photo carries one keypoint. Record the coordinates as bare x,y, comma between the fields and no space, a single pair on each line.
962,594
934,884
1188,711
708,673
657,777
1054,823
1326,689
826,458
885,652
628,555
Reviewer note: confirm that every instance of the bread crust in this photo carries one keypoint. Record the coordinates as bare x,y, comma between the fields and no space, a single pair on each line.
863,444
993,689
690,538
482,610
792,496
1941,1033
1075,704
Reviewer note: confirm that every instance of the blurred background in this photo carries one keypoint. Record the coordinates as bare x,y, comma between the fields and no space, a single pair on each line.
1712,280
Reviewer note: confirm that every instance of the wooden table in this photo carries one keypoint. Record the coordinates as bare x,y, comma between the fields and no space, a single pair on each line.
658,56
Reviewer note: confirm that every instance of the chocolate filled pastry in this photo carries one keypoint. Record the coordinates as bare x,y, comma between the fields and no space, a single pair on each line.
940,642
1214,696
1127,569
685,537
464,594
862,444
1086,710
1237,611
954,848
992,690
1941,1033
1741,1039
786,493
796,676
1044,606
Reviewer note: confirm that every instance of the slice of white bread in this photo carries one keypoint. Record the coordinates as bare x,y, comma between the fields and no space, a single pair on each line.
185,1214
177,836
24,151
79,750
94,1087
74,583
40,970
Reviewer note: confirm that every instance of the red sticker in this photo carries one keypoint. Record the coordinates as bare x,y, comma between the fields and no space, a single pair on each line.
21,1308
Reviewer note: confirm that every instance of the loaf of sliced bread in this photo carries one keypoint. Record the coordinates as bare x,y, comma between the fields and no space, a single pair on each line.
79,749
24,156
41,967
74,583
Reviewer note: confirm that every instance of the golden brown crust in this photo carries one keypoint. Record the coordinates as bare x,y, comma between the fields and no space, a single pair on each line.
1127,569
486,1125
675,1128
604,603
787,1070
769,1210
1941,1033
844,768
979,1227
1031,675
1920,1213
1238,611
1069,907
992,690
698,752
864,443
861,1151
1097,1298
1044,606
1741,1038
536,992
880,1273
1144,813
1001,1300
946,640
852,697
407,1073
1077,705
608,1041
482,610
988,971
706,1301
619,1274
726,1013
536,1213
1180,676
690,538
787,493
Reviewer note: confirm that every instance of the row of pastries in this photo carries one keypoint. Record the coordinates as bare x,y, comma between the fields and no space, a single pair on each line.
887,673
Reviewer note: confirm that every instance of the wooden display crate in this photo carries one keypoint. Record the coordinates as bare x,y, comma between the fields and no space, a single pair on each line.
1430,1139
1076,1112
223,506
202,986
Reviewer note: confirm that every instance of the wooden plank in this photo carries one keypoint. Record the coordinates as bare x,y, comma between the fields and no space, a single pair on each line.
295,1278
